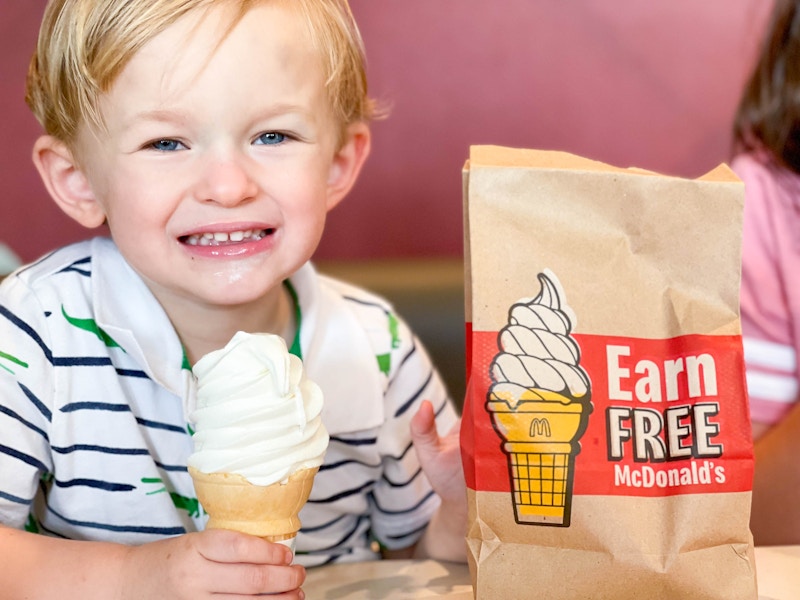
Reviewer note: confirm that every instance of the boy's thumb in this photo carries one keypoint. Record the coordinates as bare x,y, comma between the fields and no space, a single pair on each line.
423,428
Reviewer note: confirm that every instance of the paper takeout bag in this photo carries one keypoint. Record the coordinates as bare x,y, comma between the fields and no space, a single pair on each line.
606,436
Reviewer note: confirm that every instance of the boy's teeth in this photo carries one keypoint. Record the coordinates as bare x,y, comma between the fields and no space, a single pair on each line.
219,237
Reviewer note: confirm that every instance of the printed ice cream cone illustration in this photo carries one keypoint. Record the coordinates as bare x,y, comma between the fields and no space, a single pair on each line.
540,402
259,438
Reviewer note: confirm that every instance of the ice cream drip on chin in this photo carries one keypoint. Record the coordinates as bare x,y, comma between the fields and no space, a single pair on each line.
257,413
538,358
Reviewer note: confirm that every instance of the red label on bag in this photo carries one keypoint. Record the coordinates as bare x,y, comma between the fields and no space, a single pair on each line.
665,417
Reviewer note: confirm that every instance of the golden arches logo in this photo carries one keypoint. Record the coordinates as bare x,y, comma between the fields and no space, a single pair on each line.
539,428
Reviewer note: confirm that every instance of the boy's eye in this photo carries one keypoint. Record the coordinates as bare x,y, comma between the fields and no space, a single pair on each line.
270,138
165,145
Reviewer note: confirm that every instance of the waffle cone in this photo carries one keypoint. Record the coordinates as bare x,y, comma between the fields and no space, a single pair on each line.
540,429
269,512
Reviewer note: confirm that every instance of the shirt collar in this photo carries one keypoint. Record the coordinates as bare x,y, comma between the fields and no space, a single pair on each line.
338,356
126,309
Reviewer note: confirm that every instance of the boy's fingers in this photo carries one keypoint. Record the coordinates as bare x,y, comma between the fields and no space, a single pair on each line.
231,546
268,579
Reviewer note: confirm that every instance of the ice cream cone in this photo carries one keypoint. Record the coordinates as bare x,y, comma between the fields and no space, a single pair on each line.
269,512
539,431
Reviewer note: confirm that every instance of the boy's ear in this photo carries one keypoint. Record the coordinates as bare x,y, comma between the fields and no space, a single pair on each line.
347,162
65,182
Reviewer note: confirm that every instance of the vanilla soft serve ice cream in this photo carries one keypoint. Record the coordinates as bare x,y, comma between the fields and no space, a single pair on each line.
257,414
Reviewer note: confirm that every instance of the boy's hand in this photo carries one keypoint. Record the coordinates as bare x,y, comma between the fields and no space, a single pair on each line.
221,563
440,457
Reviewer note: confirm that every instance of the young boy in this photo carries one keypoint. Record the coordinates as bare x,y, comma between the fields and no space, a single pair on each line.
212,138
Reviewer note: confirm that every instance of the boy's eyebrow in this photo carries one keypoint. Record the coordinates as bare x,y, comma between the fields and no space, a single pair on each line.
165,115
158,114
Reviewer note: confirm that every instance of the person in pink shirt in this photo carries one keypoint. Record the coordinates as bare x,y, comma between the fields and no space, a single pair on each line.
767,159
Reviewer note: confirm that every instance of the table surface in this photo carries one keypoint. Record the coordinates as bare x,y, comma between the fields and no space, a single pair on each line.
389,579
778,569
778,578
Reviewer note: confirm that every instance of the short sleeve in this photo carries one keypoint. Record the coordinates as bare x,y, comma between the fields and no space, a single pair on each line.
770,254
26,384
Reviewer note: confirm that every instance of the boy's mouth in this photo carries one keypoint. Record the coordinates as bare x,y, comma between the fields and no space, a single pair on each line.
222,238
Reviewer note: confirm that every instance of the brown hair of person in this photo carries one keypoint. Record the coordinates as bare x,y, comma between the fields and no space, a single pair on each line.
768,116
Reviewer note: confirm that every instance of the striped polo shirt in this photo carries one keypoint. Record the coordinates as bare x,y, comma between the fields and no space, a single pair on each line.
95,393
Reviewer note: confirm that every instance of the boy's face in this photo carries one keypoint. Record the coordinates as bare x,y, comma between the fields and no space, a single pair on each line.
220,162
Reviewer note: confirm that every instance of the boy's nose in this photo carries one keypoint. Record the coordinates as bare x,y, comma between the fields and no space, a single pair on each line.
225,181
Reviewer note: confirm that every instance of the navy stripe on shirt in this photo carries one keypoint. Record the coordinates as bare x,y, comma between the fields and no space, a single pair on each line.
132,373
402,483
355,442
411,352
108,486
403,511
101,449
349,461
122,528
334,558
172,468
22,325
75,406
344,494
410,402
110,407
73,268
380,307
15,499
160,425
353,530
28,424
40,406
81,361
324,525
26,458
400,536
403,453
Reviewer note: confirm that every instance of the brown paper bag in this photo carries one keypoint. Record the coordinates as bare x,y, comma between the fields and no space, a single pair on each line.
606,436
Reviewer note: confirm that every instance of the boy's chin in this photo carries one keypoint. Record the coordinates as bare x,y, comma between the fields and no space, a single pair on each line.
222,292
236,293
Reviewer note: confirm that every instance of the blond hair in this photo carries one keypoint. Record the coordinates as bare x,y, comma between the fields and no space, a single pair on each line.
85,44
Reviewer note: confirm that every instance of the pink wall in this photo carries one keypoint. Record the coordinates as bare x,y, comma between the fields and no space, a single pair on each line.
648,84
